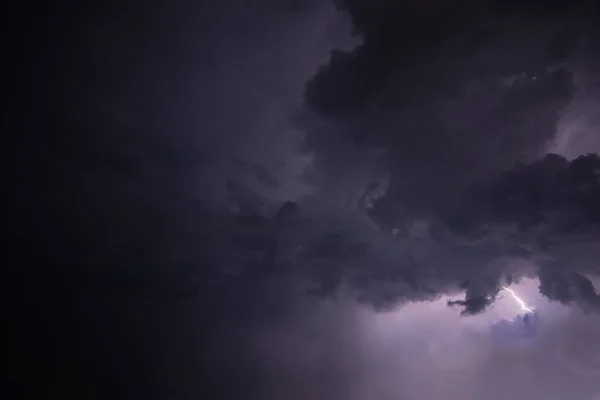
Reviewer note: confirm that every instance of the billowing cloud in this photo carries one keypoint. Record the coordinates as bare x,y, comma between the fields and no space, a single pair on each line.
214,213
446,93
540,218
446,109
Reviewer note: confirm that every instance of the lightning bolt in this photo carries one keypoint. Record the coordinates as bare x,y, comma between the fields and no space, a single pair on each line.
519,300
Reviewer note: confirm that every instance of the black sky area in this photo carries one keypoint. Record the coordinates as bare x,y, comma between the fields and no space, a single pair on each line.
239,199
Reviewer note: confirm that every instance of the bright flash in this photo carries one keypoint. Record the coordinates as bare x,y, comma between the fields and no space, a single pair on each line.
519,300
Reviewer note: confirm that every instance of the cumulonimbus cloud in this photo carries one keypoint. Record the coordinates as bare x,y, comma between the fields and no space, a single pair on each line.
461,125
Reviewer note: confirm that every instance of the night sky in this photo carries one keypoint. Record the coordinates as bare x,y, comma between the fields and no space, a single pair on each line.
302,199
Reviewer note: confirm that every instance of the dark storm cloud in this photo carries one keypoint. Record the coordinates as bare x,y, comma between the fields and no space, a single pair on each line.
162,212
537,219
542,208
448,92
451,95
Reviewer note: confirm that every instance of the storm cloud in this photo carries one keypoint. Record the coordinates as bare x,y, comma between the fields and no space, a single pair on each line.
458,102
306,200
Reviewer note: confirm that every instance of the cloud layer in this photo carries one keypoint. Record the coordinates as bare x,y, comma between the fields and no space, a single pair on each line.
204,209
